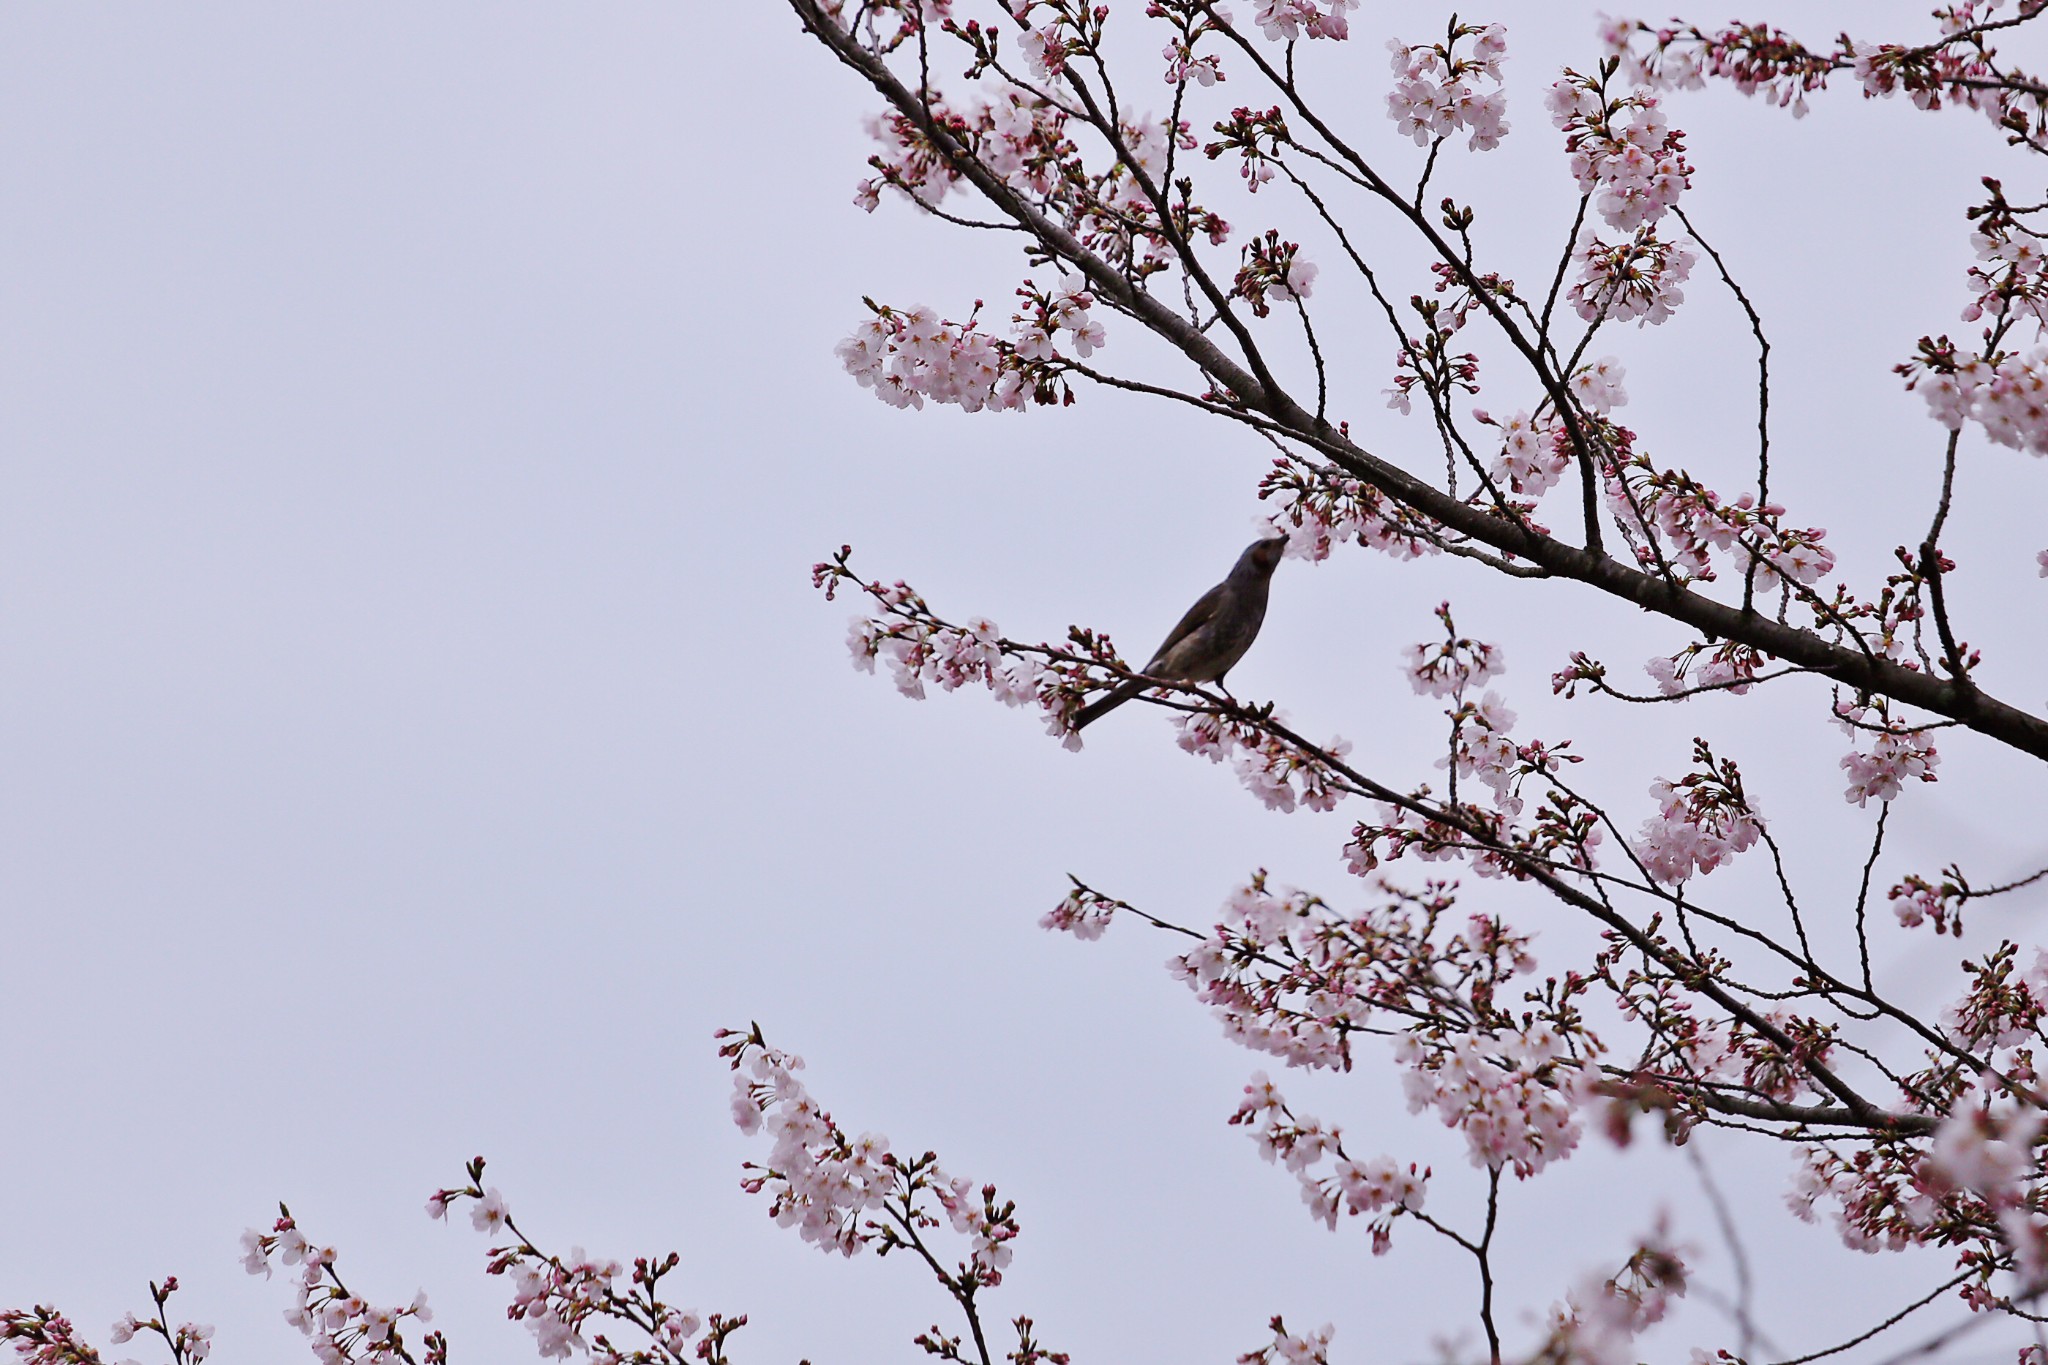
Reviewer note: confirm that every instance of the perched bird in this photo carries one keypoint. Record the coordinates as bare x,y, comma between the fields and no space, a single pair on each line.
1214,634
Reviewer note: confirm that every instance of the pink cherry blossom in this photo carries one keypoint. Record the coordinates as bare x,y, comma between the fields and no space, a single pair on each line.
1436,91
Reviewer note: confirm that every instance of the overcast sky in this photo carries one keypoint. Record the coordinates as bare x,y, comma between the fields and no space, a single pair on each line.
417,423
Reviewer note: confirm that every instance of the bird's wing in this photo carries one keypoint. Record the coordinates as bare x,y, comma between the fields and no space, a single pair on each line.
1199,615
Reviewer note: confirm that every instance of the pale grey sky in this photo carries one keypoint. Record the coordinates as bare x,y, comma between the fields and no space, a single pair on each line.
416,427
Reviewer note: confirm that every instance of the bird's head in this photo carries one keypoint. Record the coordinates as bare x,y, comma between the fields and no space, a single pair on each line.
1263,555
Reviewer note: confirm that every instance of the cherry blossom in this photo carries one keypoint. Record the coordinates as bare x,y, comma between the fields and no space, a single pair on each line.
1447,668
1961,69
1436,90
1661,994
1273,269
1534,453
1288,1348
1637,281
1622,150
1286,20
2008,399
1897,754
1702,821
1598,1322
1084,913
1598,387
1516,1096
338,1324
572,1302
847,1194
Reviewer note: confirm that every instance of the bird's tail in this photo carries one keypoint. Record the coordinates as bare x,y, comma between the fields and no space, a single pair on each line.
1096,710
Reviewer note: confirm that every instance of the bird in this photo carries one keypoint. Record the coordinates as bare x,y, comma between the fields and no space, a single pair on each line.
1212,637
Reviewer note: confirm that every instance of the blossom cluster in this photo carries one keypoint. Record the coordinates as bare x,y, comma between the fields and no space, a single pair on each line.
1320,507
1481,749
1961,68
1917,901
1598,388
1192,22
2011,276
1975,1184
1288,1348
1020,136
846,1194
44,1336
1622,150
189,1341
567,1300
1084,912
1599,1321
1448,667
1702,820
1675,522
556,1297
1729,665
1283,774
1564,831
824,1184
909,355
1288,977
1273,269
1986,1147
1872,1203
2002,1008
1632,281
1380,1186
1436,87
919,647
339,1324
1426,360
1287,20
1704,665
1898,753
1534,453
2008,398
1516,1095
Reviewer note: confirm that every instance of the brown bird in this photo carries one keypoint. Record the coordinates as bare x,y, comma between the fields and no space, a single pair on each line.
1214,634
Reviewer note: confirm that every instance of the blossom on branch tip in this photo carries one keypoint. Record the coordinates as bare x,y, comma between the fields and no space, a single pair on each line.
1534,453
1273,269
1898,753
1516,1096
1084,913
1286,20
1622,151
490,1213
834,1188
1598,386
1449,666
2008,398
340,1326
1288,1348
1702,820
1435,90
1301,1144
1637,280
